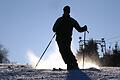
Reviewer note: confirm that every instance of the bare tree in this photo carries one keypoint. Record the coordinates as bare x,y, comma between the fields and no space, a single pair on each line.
3,55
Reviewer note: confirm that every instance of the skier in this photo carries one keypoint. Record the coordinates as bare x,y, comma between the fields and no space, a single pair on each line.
63,28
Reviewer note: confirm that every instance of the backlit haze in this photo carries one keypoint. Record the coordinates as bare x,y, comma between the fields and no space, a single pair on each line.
54,60
26,27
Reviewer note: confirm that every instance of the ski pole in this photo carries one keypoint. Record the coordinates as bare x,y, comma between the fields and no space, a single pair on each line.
45,50
84,48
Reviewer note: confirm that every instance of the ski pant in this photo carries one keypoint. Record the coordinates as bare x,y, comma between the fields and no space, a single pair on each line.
66,53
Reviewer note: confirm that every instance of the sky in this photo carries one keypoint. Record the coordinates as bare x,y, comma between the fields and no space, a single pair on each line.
26,25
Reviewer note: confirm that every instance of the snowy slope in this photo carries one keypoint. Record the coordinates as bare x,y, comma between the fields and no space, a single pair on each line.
24,72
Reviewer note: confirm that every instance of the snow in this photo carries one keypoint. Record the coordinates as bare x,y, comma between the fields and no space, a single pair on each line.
25,72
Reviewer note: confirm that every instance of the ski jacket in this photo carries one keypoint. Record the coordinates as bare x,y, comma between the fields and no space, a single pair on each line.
63,27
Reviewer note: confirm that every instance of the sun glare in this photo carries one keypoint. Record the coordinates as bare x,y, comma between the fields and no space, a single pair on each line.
54,60
87,64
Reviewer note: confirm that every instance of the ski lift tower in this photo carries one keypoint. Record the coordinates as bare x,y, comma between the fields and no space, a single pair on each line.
83,43
102,43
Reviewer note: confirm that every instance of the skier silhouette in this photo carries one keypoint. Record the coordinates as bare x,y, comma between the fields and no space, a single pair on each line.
63,28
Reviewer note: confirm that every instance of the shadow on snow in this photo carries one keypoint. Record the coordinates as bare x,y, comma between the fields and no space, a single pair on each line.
77,75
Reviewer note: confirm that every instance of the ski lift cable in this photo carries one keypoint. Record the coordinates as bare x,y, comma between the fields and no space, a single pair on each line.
113,38
113,41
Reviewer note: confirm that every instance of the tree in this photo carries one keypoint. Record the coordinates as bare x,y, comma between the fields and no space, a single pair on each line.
90,51
112,59
116,56
3,55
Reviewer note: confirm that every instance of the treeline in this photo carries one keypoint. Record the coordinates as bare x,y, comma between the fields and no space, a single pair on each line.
91,54
90,50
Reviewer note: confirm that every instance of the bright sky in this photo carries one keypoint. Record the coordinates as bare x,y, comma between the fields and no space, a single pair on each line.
26,25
